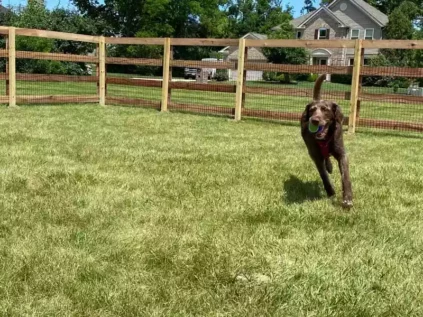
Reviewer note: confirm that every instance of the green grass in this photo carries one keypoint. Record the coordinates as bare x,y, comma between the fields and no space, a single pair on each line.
383,110
129,212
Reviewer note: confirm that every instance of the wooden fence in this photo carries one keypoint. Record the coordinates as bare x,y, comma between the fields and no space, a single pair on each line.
240,89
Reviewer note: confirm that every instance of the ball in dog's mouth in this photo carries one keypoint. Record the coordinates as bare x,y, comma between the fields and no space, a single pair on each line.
314,128
318,130
321,133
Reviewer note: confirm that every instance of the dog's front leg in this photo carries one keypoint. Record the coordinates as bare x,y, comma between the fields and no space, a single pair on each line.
320,164
347,196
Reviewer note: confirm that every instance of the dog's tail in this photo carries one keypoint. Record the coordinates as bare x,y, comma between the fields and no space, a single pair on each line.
317,87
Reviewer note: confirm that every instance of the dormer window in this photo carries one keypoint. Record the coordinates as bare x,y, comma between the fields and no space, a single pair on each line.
369,34
321,34
355,34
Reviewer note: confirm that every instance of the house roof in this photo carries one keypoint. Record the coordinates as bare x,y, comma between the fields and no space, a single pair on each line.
3,9
373,13
326,10
252,54
254,35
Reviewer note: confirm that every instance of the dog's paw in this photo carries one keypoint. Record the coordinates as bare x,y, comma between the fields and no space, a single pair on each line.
347,204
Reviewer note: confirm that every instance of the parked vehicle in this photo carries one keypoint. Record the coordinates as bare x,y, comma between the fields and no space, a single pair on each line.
190,73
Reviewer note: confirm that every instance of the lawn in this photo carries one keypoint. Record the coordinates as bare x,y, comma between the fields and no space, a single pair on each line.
383,110
131,212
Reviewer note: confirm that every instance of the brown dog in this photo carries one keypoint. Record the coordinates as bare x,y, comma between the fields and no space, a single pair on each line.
327,141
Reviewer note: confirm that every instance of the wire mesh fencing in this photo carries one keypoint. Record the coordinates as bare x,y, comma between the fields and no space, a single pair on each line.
391,97
200,80
379,81
279,87
134,74
61,71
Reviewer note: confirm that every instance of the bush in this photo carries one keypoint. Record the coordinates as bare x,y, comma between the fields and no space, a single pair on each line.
222,75
341,79
270,76
312,78
281,78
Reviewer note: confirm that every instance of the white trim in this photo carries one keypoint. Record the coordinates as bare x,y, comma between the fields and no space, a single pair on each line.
299,37
373,33
323,50
361,9
351,34
327,11
318,33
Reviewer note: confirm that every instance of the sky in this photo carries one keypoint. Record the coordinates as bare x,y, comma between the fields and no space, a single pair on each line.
297,4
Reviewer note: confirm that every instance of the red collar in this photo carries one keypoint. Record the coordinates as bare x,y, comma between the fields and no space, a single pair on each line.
324,147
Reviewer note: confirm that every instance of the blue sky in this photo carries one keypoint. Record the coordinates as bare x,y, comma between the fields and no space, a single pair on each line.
297,4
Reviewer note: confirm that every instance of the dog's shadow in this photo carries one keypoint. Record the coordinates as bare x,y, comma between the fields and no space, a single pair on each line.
297,191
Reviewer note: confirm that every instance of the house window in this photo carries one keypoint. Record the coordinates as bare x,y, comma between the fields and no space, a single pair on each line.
323,34
351,62
299,34
355,34
368,34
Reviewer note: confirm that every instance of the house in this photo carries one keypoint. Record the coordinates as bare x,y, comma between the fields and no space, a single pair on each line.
341,19
230,53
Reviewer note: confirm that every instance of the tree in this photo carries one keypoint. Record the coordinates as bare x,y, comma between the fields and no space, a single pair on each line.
308,7
388,6
260,16
401,27
280,55
172,18
37,16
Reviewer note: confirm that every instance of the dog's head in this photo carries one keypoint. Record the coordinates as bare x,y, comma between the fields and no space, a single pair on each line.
324,114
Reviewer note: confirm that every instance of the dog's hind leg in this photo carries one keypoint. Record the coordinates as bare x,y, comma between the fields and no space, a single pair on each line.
329,166
325,177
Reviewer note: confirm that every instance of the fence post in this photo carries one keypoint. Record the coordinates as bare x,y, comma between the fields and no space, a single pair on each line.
102,70
166,75
6,38
12,67
240,79
355,85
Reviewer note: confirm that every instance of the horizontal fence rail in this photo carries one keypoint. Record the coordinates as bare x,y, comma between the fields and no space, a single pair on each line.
237,97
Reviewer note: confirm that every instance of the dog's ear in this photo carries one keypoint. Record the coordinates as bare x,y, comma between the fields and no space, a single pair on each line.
306,114
337,112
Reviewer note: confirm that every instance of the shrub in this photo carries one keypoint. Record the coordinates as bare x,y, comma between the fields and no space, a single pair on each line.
341,79
269,76
312,78
222,75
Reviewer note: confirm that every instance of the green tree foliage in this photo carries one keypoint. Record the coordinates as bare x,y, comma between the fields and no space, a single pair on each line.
280,55
38,17
254,16
173,18
308,7
401,27
388,6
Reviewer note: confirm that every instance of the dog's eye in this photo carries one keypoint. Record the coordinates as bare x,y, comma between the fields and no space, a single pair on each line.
325,108
314,108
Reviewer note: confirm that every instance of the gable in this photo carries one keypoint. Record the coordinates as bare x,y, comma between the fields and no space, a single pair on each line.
371,12
324,13
362,11
353,16
322,19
